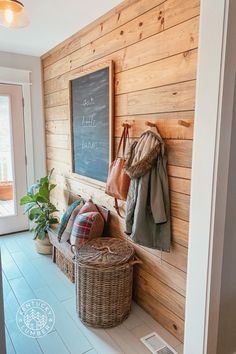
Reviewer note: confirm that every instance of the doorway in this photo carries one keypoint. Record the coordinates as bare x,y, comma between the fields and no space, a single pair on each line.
13,183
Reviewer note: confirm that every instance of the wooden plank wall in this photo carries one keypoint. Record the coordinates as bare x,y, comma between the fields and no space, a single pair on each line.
153,44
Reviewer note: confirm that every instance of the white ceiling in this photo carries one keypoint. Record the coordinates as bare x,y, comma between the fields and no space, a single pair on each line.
52,21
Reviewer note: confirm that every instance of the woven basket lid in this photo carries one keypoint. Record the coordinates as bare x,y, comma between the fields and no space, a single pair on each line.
105,252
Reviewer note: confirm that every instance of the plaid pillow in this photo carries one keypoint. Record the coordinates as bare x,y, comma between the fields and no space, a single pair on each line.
88,206
86,226
66,216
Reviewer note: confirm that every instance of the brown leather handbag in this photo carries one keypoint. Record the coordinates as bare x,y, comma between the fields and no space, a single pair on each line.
118,181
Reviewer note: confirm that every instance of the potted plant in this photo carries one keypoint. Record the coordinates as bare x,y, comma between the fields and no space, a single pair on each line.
41,212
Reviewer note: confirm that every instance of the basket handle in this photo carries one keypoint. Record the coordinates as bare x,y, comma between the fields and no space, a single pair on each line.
104,248
135,261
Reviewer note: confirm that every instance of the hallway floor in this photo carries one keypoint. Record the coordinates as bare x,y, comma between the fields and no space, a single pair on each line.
28,275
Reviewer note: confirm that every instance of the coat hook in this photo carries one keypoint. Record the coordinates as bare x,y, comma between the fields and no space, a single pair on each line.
126,125
150,124
183,123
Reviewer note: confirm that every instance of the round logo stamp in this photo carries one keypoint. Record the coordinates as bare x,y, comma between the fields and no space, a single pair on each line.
35,318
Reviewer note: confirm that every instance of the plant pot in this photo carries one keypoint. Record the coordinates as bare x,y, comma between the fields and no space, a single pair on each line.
6,190
43,246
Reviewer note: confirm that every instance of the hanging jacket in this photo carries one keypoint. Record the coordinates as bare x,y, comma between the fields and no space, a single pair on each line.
148,206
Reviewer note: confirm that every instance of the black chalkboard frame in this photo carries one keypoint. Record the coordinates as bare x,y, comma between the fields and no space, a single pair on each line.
110,66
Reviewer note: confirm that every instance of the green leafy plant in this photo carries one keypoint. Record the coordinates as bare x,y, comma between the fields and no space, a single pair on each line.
38,206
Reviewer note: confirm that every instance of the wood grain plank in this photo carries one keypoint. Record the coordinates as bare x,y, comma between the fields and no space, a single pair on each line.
58,98
58,127
60,155
118,16
165,272
171,70
159,291
180,230
135,30
57,113
60,168
165,317
180,172
179,152
177,257
170,42
167,125
166,45
183,10
180,185
60,66
180,204
171,98
58,141
144,26
175,40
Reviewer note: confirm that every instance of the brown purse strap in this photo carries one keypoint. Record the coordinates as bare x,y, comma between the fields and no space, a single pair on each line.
126,139
123,139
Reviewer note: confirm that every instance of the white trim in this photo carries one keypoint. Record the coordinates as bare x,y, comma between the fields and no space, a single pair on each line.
14,76
23,77
211,153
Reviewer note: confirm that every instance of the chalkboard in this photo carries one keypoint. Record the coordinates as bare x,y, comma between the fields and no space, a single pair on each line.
91,123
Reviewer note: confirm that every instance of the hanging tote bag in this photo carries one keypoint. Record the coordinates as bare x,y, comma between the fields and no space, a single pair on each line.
118,181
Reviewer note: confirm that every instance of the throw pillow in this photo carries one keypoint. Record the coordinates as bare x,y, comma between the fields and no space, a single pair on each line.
88,207
67,232
86,226
66,216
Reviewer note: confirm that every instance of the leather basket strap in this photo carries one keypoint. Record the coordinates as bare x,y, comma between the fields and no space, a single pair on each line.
117,208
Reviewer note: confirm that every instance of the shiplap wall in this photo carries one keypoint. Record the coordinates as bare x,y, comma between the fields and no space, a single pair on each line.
153,44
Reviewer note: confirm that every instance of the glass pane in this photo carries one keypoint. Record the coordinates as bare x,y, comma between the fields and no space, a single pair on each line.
6,176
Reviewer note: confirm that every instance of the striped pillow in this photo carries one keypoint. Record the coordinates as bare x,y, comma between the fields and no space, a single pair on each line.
86,226
88,206
67,232
66,216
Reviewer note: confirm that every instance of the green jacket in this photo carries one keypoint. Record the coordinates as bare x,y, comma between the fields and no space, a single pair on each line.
148,205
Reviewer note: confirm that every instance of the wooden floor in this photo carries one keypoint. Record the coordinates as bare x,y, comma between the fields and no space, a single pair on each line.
6,207
28,275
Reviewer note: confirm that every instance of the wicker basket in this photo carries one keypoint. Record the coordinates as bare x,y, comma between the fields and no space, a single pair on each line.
43,246
104,280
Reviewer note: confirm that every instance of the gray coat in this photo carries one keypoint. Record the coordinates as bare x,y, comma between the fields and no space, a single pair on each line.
148,205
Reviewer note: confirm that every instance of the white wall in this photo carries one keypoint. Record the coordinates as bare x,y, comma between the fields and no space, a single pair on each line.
33,64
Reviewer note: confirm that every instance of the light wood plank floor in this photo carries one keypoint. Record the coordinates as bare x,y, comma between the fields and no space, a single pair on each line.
6,207
28,275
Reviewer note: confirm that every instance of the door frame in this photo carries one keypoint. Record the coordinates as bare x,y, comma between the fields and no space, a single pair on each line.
13,76
210,172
